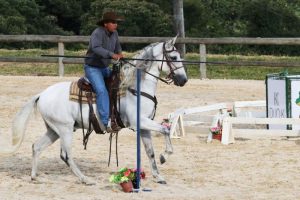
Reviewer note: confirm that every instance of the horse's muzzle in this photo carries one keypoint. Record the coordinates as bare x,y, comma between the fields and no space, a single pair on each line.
179,80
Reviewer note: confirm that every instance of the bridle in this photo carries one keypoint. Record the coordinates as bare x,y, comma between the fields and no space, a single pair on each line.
168,59
169,78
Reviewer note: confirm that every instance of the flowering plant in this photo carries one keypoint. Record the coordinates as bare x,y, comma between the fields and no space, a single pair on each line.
166,123
125,175
215,130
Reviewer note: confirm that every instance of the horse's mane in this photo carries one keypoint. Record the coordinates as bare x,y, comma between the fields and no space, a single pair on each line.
128,71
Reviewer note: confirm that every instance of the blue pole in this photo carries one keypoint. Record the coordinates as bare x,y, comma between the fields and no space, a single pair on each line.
138,138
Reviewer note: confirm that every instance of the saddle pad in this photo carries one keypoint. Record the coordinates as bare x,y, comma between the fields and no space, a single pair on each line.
74,93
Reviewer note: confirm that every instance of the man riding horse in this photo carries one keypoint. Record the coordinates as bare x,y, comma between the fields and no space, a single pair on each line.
104,44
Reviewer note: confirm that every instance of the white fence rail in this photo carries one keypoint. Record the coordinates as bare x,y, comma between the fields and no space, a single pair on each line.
229,133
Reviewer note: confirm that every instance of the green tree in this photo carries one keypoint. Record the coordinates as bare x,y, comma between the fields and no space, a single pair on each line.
213,18
24,17
67,13
165,5
11,21
271,18
141,18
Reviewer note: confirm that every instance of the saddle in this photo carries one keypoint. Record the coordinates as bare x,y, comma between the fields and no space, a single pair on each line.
86,95
86,88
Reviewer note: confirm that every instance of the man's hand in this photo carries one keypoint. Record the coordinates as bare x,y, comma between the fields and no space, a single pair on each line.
117,56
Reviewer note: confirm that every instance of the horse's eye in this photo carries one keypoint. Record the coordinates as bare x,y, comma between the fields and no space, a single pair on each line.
173,58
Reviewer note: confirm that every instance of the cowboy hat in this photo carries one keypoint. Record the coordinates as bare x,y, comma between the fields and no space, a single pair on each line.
110,16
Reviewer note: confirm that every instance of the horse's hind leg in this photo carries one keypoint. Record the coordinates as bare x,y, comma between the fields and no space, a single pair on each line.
147,141
66,156
49,138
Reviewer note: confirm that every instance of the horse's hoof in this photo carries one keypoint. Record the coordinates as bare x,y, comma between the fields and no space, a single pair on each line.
162,159
159,179
162,182
88,181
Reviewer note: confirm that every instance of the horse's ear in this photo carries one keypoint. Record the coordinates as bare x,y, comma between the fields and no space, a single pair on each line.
170,43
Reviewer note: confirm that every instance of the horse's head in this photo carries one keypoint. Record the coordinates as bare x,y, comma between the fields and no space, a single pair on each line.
156,58
172,64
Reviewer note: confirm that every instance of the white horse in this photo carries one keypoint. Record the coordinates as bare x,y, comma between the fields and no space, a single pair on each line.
62,116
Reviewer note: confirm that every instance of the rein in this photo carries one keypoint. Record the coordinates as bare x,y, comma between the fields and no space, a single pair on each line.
157,77
168,79
110,144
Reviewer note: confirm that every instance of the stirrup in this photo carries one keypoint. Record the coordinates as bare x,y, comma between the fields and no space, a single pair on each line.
113,127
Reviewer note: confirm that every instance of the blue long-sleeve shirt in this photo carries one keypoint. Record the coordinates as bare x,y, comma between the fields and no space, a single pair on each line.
103,44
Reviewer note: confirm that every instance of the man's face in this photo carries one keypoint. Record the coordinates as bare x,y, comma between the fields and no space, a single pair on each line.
111,26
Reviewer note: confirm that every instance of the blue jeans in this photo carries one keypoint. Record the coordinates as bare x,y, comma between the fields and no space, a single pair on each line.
96,77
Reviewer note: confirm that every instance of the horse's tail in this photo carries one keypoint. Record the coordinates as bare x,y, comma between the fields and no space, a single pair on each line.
19,126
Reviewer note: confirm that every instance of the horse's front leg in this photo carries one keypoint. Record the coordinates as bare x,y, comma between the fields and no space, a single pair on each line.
147,141
148,124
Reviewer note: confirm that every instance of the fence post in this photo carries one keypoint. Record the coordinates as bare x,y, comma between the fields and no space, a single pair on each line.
202,60
61,51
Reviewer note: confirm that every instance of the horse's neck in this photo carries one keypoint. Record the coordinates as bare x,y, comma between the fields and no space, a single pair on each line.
149,86
148,82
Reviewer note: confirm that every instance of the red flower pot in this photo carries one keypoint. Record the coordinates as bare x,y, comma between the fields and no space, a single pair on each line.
217,136
127,186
